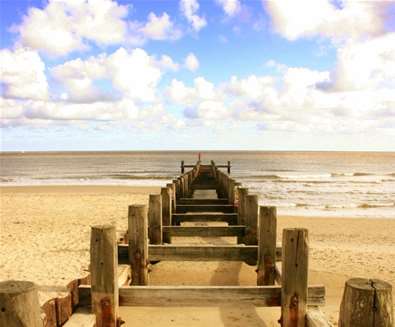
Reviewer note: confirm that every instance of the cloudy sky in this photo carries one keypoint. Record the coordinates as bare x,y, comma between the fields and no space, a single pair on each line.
194,74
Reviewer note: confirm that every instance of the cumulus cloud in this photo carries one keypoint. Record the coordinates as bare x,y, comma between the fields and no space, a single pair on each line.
22,73
159,28
230,7
65,26
134,74
191,62
308,18
367,64
189,9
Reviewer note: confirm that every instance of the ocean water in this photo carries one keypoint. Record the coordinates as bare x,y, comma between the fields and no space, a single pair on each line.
348,184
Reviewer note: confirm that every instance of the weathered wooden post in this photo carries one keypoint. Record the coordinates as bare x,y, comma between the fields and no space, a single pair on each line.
366,303
155,219
104,265
229,167
186,185
181,187
266,272
182,167
251,219
166,211
176,183
172,187
138,244
231,191
19,306
294,277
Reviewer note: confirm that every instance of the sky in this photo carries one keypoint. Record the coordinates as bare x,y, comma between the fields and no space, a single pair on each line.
194,74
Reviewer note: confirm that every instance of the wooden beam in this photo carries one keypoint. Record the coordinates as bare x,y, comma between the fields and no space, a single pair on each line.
211,231
167,296
197,253
104,263
202,201
138,244
230,218
294,277
183,208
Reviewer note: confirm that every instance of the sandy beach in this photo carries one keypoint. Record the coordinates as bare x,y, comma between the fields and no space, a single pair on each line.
45,234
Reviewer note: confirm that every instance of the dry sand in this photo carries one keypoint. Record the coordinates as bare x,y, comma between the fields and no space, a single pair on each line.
45,233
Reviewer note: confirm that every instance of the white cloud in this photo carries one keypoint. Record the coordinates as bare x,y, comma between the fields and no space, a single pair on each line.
167,63
133,74
191,62
366,65
189,9
160,28
65,26
230,7
307,18
180,94
22,73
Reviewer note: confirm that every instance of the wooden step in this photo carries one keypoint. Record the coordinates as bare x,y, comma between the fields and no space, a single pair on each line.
209,231
210,186
176,252
230,218
183,208
202,201
168,296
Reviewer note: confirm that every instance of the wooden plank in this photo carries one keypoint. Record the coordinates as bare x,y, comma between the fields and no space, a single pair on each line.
211,231
202,201
64,308
183,208
266,271
138,244
197,253
203,253
104,262
211,186
230,218
294,277
155,219
315,318
167,296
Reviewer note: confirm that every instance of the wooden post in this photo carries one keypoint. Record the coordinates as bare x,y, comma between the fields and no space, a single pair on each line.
181,186
186,186
243,192
366,303
172,187
251,219
166,211
138,244
294,277
231,191
104,276
182,167
155,219
267,246
229,167
19,306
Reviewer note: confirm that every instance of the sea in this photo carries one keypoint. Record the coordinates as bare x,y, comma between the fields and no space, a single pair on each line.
327,184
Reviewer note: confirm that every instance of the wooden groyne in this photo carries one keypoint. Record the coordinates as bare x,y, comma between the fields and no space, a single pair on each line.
205,193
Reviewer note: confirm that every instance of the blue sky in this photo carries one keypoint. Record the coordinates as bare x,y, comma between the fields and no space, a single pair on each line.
221,74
